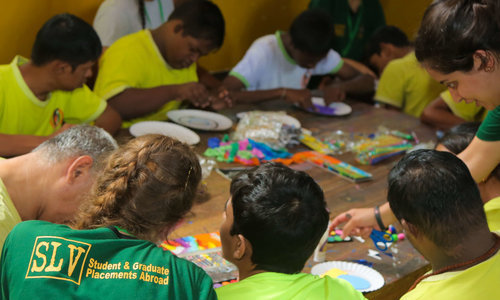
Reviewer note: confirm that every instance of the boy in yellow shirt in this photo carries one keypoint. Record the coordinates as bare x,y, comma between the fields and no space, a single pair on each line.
403,84
42,96
146,74
272,224
438,204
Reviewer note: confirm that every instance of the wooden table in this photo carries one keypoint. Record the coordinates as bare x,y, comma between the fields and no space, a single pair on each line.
340,194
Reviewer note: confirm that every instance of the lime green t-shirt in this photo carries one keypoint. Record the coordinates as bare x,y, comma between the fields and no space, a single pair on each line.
279,286
492,210
21,112
406,85
477,282
470,112
9,216
490,128
41,260
135,61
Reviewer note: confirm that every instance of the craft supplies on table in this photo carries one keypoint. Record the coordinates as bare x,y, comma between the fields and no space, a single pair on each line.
205,251
334,165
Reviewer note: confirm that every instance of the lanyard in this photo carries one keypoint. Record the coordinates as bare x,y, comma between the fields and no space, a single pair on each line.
160,9
352,31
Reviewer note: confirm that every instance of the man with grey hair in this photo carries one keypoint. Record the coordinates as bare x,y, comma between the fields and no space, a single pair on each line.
50,182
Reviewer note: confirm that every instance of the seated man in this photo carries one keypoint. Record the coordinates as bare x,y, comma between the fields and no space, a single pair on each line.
444,112
273,222
145,74
50,182
403,84
43,96
438,204
280,65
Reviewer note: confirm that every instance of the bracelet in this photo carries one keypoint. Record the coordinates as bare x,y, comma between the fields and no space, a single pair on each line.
379,218
283,93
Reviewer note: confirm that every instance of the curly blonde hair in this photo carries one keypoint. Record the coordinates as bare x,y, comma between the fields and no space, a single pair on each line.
147,186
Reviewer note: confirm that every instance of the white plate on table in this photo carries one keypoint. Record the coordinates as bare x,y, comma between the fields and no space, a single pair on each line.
334,109
375,279
165,128
285,119
200,119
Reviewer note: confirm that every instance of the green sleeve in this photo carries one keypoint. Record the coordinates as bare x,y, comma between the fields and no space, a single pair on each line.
490,128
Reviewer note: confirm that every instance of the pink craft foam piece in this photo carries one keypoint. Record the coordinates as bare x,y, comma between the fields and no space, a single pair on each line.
401,236
243,144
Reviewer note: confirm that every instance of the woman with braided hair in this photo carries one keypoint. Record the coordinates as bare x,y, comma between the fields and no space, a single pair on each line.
109,251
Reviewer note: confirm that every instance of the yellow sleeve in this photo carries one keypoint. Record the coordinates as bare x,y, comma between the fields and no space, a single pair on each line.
85,106
391,87
117,72
470,112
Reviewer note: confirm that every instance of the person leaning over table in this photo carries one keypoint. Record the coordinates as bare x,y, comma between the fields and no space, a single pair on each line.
45,95
362,220
459,45
280,65
50,182
272,223
144,191
471,77
438,204
146,74
404,85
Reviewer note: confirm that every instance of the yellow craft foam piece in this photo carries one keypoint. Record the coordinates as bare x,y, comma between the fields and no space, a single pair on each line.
334,273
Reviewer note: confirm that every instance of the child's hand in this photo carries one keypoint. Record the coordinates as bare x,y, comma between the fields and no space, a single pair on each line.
194,92
221,99
333,94
66,126
300,97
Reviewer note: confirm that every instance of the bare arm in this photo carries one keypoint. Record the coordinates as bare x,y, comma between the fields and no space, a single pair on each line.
109,120
439,115
481,157
15,144
352,83
134,102
207,79
238,95
363,69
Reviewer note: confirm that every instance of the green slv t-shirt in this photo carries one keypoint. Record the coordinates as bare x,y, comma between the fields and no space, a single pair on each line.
490,128
357,27
41,260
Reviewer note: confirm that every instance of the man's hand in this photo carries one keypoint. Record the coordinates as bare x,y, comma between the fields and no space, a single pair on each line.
359,221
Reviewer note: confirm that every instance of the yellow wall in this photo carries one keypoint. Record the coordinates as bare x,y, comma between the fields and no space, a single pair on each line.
245,21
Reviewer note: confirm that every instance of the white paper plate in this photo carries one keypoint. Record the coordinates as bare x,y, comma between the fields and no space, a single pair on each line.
200,119
285,119
375,279
339,108
169,129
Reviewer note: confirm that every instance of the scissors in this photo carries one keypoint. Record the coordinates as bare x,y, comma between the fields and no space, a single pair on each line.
381,239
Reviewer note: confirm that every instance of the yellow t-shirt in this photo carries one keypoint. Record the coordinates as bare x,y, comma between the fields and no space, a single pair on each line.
477,282
492,210
406,85
470,112
9,216
21,112
135,61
